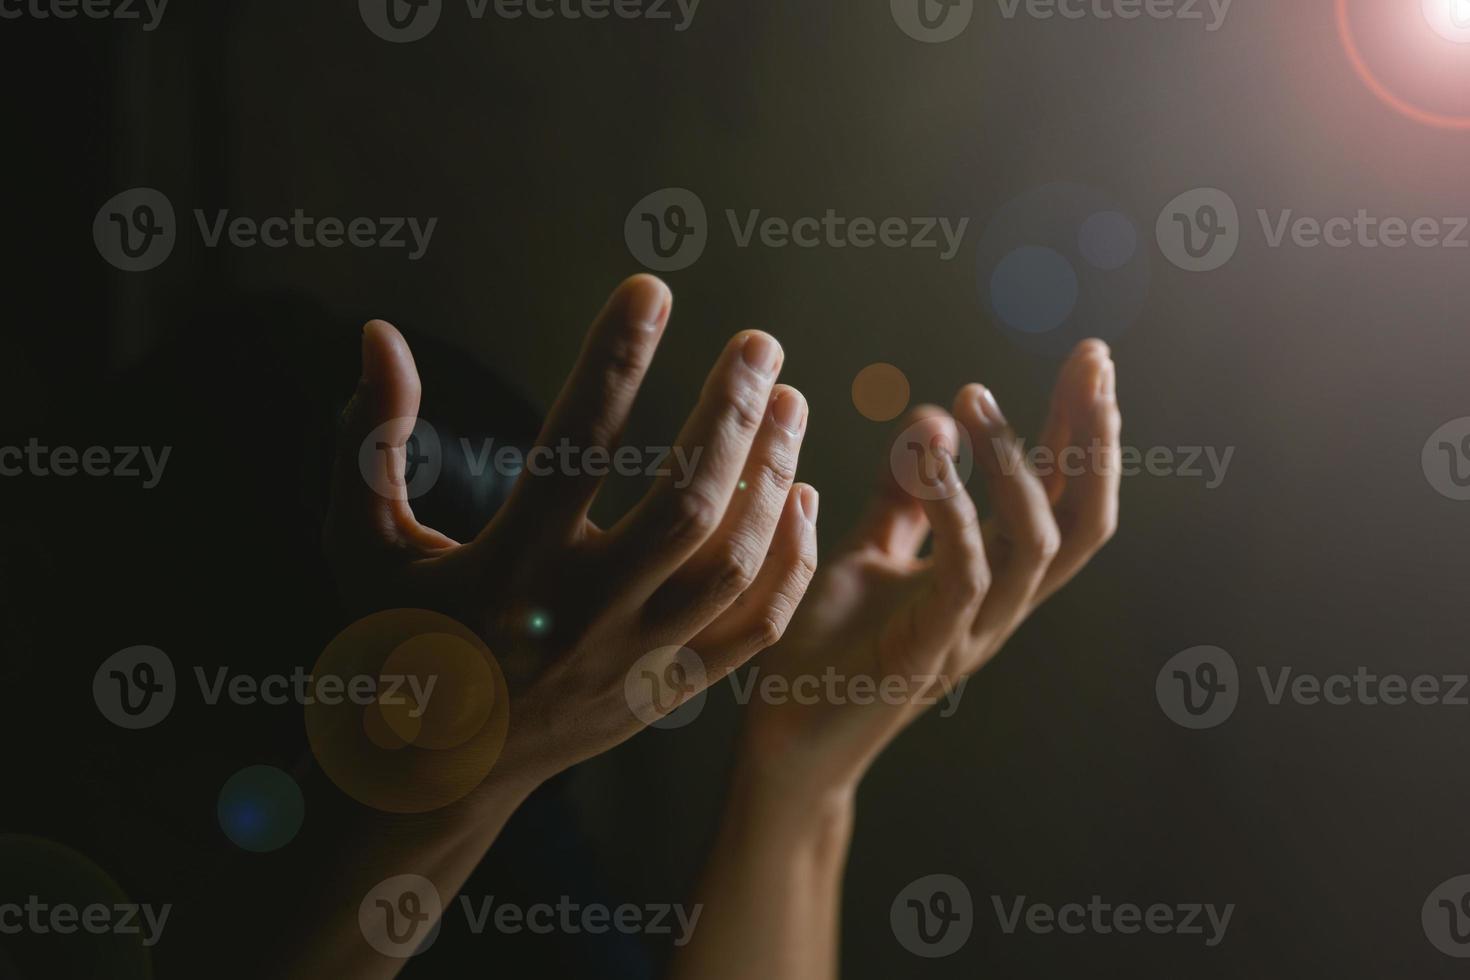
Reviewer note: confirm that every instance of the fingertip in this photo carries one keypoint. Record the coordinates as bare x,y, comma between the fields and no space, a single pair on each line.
934,426
789,409
377,345
760,350
388,365
646,298
810,501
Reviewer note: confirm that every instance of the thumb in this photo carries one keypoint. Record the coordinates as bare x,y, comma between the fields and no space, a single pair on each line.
382,457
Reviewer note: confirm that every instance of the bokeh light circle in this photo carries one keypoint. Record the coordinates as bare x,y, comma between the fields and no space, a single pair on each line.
437,725
1060,263
1034,289
880,392
57,875
261,809
1108,240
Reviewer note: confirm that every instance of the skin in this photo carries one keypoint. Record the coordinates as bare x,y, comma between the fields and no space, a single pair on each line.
879,611
714,570
700,566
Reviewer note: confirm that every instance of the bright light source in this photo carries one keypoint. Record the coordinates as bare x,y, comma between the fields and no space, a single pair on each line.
1449,18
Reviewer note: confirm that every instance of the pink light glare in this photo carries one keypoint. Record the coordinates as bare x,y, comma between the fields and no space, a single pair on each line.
1450,19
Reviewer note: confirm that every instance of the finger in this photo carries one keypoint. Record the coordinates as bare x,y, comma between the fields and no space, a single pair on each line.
1087,513
593,407
1027,538
369,501
682,510
1069,400
760,616
727,564
895,523
958,574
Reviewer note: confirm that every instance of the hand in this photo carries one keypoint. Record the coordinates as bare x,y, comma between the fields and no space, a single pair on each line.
918,627
717,565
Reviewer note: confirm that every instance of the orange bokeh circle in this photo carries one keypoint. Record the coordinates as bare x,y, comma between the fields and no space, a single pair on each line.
401,752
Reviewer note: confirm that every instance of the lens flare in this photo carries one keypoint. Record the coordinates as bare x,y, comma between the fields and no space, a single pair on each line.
1450,19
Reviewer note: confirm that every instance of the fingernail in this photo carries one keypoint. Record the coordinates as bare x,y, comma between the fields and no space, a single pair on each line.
762,352
809,501
650,308
788,408
1106,383
989,409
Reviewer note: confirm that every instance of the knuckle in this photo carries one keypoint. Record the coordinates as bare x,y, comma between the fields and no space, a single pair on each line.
735,568
745,406
1039,543
693,516
623,355
1101,529
969,584
806,568
770,630
777,469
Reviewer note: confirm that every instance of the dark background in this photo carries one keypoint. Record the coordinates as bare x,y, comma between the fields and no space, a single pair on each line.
1325,549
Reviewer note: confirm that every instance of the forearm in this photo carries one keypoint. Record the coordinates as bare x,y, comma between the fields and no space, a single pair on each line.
356,848
771,892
